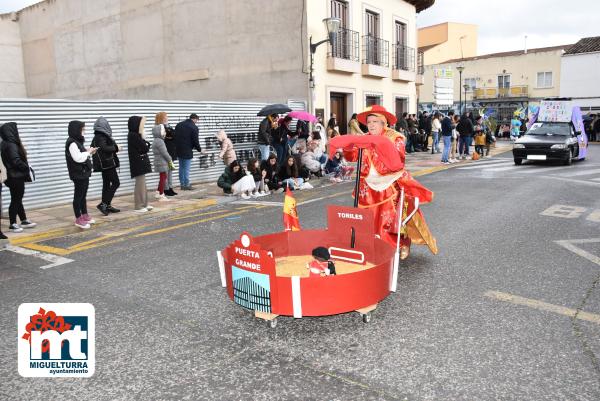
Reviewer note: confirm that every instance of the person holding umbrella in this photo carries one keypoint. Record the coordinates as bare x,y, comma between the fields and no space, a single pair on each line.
267,127
280,138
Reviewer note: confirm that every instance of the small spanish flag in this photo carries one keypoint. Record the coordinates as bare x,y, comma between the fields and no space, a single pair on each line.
290,215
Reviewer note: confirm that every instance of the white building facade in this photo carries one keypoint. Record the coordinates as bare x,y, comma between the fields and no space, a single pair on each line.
580,73
373,61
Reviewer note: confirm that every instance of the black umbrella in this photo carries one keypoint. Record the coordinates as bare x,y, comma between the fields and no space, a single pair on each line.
277,108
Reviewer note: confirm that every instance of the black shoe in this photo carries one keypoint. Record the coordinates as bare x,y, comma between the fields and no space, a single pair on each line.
170,192
103,208
190,188
2,236
112,209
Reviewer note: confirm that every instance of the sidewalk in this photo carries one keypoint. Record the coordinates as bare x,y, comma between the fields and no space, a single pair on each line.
60,218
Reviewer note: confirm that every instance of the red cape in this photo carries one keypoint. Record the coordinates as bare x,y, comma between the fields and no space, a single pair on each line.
387,152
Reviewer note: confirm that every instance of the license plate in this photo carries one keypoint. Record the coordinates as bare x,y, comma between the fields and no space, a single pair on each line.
536,157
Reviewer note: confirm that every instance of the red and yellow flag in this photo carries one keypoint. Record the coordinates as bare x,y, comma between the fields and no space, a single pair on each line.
290,215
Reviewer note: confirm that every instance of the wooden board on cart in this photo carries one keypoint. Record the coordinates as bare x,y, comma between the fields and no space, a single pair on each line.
265,315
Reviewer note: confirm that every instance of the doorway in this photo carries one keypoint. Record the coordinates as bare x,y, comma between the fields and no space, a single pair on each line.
338,102
401,107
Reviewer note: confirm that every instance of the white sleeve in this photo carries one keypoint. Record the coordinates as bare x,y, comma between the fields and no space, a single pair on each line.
77,155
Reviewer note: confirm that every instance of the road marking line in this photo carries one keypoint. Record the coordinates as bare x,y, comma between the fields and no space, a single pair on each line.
321,198
486,164
191,223
578,173
46,248
60,232
432,170
490,167
496,169
544,306
534,169
568,244
572,180
53,259
263,203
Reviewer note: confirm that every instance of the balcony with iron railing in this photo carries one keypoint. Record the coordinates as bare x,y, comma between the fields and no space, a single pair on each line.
403,63
420,64
517,91
343,53
420,69
375,60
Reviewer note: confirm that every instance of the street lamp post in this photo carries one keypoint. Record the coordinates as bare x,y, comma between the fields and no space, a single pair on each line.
460,69
332,25
466,88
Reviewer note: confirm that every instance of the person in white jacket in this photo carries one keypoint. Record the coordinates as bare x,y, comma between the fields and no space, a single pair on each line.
436,127
80,170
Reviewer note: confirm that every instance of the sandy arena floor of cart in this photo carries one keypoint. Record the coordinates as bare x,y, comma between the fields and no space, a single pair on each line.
296,266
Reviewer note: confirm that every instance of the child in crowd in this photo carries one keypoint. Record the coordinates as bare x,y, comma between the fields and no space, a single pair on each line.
227,153
271,169
479,136
289,174
337,168
454,146
308,160
321,265
235,181
259,178
317,144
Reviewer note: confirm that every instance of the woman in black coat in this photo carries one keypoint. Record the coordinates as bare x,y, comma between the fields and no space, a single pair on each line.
80,170
14,157
172,149
272,168
106,161
139,162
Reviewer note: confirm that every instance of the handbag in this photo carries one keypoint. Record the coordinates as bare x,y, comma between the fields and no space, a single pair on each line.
3,175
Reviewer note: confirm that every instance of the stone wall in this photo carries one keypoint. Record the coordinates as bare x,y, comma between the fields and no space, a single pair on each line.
12,76
169,50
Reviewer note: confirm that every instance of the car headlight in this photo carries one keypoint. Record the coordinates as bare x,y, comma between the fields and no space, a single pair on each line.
558,146
518,146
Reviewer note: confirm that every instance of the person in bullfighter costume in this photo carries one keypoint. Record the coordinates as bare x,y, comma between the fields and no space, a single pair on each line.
381,181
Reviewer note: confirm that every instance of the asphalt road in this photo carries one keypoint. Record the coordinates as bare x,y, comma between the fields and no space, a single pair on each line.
165,329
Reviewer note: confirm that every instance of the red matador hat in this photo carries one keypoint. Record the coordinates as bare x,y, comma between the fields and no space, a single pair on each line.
377,110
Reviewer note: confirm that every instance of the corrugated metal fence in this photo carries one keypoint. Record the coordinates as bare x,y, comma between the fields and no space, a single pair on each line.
43,129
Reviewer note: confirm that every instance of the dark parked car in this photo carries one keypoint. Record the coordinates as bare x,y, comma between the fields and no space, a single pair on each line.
550,141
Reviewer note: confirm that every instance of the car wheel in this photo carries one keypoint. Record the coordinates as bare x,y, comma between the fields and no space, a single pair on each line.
569,159
518,162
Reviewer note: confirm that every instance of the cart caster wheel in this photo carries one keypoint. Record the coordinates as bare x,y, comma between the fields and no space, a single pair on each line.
272,323
366,317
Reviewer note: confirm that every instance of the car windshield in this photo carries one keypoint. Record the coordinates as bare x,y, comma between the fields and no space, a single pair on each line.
549,129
